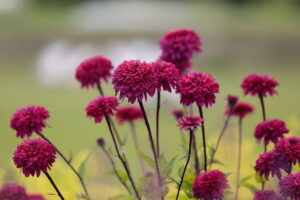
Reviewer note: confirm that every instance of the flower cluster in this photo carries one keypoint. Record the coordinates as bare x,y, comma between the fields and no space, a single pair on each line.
91,71
290,186
34,156
177,113
190,122
266,195
210,185
14,191
289,148
27,120
197,87
241,110
129,114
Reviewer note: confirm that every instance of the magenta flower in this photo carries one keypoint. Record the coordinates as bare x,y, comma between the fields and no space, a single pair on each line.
241,110
232,100
13,192
101,107
289,147
134,80
266,195
34,155
167,75
271,163
29,119
210,185
129,114
36,197
190,122
177,113
91,71
197,87
178,47
290,186
270,130
256,84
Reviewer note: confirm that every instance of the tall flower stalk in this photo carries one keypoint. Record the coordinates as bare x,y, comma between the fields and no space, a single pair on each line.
157,123
54,185
203,138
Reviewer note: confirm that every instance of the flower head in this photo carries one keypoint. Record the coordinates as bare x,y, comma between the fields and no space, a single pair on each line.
266,195
129,114
29,119
232,100
257,84
270,130
167,75
101,107
197,87
101,142
241,110
34,156
178,113
289,147
178,47
36,197
134,80
13,192
290,186
210,185
190,122
91,71
271,163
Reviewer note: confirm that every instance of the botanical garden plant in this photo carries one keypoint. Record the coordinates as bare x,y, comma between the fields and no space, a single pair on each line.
136,81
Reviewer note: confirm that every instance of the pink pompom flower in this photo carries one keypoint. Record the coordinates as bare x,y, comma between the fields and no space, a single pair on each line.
101,107
190,122
197,87
271,163
29,119
178,47
36,197
210,185
91,71
289,147
167,75
266,195
270,130
134,80
34,156
257,84
177,113
129,114
13,191
241,110
232,100
290,186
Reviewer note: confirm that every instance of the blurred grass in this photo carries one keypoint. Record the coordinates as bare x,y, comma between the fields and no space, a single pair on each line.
23,34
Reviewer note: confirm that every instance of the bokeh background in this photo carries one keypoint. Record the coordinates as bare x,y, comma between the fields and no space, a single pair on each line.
43,41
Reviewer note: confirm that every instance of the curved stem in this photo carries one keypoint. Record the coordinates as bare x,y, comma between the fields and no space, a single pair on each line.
197,166
100,89
115,169
54,185
203,138
220,137
157,123
137,146
151,143
239,160
187,162
69,164
124,162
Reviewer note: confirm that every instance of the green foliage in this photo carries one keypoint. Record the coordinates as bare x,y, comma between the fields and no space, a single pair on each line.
82,166
122,197
147,159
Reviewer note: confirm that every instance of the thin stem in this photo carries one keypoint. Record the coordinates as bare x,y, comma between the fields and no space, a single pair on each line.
239,160
115,169
220,137
151,142
197,166
100,89
121,159
54,185
203,138
157,123
261,98
186,164
182,137
69,164
136,145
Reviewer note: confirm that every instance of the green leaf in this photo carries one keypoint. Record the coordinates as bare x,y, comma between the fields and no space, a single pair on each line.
147,159
245,179
259,179
70,157
251,187
218,162
82,166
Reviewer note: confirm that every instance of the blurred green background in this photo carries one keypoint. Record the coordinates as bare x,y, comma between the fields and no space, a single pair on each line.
43,41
